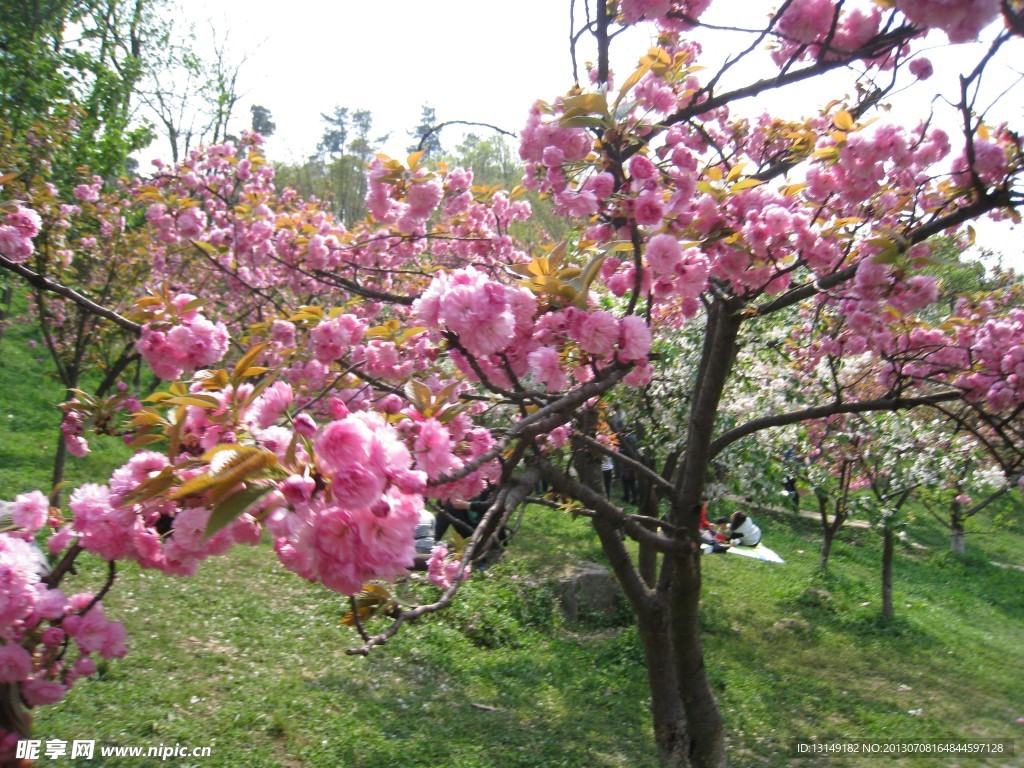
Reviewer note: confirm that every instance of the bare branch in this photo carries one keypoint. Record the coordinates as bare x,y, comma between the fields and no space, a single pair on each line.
52,286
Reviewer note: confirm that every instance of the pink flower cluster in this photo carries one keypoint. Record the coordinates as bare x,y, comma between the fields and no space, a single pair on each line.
676,271
546,146
71,428
423,193
989,163
961,20
997,349
632,11
36,622
19,226
181,339
806,28
161,534
481,312
885,160
443,571
362,525
89,192
28,513
334,338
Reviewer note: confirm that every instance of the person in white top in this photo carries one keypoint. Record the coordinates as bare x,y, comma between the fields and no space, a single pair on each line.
743,530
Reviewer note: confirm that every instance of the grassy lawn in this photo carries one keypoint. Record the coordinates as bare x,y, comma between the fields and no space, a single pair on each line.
250,661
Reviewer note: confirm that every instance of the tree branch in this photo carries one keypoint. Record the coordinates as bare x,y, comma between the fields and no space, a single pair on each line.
51,286
823,411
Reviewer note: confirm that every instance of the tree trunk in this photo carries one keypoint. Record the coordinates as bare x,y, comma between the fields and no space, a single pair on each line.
706,735
667,715
60,459
887,552
956,540
14,718
5,310
829,529
826,546
956,531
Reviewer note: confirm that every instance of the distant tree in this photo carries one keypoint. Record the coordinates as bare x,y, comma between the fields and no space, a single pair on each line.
426,134
335,135
261,121
81,61
337,172
190,97
491,159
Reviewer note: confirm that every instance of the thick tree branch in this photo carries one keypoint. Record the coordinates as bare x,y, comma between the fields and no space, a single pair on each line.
729,437
51,286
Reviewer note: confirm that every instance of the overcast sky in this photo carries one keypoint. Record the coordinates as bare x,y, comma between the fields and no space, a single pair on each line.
473,60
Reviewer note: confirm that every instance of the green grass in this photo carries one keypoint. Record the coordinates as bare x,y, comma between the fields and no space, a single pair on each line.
30,417
941,670
251,661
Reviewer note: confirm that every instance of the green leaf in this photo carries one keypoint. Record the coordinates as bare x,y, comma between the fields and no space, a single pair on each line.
146,417
420,394
843,120
585,104
143,440
246,464
581,284
746,183
243,365
235,506
197,400
633,79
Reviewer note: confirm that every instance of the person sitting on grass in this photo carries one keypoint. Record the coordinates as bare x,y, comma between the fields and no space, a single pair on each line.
464,517
709,533
743,530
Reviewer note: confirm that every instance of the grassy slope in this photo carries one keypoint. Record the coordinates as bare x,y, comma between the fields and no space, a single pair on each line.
250,661
30,419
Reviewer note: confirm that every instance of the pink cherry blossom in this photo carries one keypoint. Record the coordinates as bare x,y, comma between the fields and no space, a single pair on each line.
635,341
342,444
423,198
433,449
597,332
663,253
15,663
961,20
38,691
271,404
332,339
545,365
443,571
648,209
921,68
30,510
634,10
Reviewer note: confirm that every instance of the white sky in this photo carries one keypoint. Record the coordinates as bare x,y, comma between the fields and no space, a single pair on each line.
475,60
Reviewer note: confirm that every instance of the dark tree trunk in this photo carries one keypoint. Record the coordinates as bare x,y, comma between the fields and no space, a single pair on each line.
956,538
829,528
5,310
956,529
887,551
60,460
705,737
826,547
667,714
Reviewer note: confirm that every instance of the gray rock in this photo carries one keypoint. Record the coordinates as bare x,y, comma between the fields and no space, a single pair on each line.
791,625
587,592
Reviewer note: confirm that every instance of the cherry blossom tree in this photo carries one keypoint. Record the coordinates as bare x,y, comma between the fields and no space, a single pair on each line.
424,353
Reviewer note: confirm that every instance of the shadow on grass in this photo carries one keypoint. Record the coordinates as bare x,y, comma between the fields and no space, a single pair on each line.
503,707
